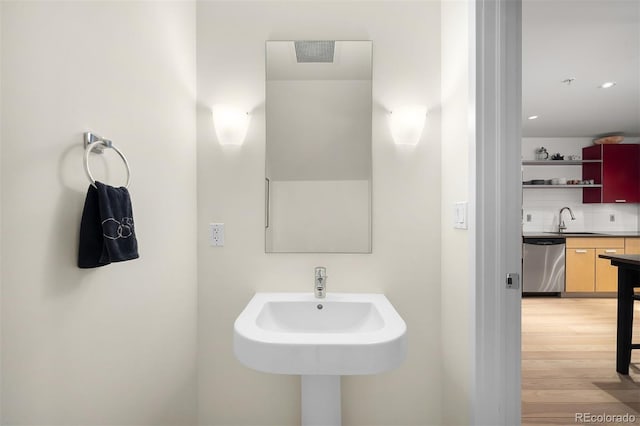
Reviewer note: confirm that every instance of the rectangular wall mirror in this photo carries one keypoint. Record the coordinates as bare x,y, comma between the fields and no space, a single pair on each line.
318,153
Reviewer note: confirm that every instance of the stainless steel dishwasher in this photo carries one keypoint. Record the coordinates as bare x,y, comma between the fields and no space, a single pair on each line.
543,266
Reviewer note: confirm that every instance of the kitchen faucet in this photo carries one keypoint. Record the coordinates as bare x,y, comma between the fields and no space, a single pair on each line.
320,284
561,225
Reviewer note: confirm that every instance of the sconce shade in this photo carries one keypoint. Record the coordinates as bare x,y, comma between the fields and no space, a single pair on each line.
407,123
231,124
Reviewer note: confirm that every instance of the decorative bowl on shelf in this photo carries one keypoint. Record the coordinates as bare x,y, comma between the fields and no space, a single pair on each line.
608,139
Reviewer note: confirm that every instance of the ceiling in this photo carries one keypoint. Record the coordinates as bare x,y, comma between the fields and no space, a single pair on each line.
593,42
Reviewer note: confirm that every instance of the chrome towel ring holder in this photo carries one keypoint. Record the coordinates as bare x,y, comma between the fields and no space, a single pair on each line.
93,142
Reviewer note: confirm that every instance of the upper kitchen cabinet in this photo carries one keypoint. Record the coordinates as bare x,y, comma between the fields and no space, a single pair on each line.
618,173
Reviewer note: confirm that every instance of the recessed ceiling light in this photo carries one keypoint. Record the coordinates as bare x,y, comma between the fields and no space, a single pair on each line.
532,117
607,85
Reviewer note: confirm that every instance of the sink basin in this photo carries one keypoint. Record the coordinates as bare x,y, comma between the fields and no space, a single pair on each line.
306,317
321,340
342,334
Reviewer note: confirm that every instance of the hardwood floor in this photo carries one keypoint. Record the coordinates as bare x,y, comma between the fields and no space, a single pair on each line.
568,361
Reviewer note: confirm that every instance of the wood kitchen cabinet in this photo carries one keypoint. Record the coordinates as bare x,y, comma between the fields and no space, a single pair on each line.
618,173
632,245
585,271
580,270
606,275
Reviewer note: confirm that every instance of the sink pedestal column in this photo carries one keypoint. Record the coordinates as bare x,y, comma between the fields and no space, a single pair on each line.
321,401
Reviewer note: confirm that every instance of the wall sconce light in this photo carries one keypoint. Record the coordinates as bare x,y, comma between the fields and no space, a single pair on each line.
407,124
231,124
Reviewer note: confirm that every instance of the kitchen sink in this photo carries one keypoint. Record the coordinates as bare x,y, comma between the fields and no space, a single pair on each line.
573,233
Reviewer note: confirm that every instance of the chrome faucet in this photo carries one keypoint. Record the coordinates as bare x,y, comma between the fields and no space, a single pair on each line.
561,225
320,284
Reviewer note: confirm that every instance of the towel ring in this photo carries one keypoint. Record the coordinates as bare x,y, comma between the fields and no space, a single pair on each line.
103,144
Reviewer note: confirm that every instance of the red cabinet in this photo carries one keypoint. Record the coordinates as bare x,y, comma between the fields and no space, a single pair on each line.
618,171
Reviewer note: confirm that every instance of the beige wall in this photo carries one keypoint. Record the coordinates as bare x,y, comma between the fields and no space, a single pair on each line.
405,263
1,50
115,345
456,288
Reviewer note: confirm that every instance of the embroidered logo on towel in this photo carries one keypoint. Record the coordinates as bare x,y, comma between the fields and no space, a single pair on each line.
113,229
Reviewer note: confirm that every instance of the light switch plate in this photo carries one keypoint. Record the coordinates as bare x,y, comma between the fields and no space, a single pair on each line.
460,215
216,234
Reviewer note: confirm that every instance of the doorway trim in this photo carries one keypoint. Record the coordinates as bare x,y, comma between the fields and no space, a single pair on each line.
496,247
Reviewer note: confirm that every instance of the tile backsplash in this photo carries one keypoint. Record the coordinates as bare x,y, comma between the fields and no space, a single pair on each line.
540,207
542,216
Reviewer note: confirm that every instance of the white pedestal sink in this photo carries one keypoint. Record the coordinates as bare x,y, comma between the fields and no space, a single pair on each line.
321,340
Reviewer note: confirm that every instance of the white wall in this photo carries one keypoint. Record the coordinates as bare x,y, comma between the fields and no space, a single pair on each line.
456,299
319,216
114,345
1,50
405,263
542,205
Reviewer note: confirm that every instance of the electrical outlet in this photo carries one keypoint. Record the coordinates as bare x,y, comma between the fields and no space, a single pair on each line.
216,234
612,218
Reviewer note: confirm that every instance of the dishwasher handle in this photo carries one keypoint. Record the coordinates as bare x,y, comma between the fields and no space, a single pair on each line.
544,241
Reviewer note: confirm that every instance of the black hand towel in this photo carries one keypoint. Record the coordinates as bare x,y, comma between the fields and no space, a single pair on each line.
106,230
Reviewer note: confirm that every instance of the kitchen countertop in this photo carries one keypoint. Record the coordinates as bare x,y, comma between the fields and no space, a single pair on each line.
627,259
570,235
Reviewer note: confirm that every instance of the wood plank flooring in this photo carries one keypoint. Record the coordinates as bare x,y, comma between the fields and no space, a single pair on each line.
568,361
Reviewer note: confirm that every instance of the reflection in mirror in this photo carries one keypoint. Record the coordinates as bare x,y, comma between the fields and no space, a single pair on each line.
318,149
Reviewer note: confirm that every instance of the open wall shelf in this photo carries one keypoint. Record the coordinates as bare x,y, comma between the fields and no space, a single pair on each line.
558,162
547,186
